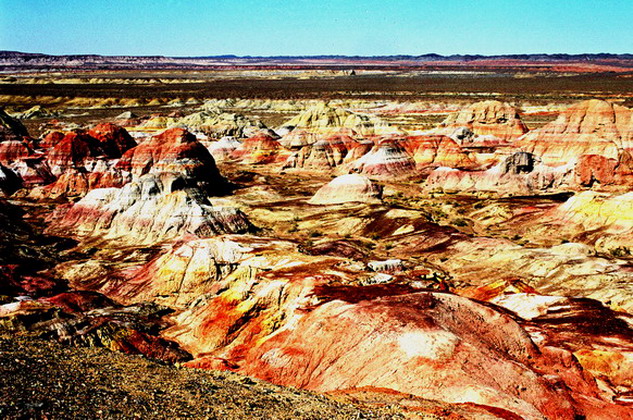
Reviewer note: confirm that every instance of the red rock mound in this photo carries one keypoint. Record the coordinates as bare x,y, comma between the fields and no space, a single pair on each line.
592,127
388,159
273,312
13,151
175,150
484,118
114,140
33,171
437,151
77,183
592,169
81,160
260,149
428,344
221,150
359,150
51,139
153,208
74,150
280,315
602,342
324,154
518,174
347,188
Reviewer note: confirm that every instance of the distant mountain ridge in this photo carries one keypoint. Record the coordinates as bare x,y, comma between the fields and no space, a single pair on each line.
15,61
423,57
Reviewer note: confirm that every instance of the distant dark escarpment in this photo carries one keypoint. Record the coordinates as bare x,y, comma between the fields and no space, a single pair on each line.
581,63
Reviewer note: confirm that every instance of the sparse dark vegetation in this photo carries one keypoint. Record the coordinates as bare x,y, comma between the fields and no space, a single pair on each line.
461,222
538,89
374,236
620,252
43,379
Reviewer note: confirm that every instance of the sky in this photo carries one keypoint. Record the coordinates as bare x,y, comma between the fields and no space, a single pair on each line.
325,27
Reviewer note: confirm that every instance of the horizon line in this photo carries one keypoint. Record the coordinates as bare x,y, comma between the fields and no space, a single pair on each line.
228,55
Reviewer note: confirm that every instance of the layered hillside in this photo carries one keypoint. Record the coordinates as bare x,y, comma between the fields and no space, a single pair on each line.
476,269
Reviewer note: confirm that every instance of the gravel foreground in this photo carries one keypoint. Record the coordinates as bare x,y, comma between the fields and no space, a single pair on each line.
40,379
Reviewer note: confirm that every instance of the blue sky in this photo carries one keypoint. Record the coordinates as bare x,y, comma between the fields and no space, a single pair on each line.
284,27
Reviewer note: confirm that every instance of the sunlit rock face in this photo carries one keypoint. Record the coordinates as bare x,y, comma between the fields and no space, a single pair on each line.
600,338
74,150
347,188
597,170
213,122
153,208
156,123
222,149
323,119
77,182
324,122
568,269
437,151
36,111
388,159
300,137
604,220
50,139
260,307
175,150
189,270
498,119
518,174
114,140
33,171
592,127
15,145
260,149
323,154
440,352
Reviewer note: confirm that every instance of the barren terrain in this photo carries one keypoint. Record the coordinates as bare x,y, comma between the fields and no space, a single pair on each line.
424,238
